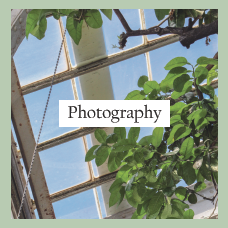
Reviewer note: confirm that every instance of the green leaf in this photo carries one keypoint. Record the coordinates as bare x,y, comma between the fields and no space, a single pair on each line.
174,109
166,212
192,199
151,176
136,216
189,214
189,174
165,86
186,147
135,95
120,132
171,138
101,153
114,197
74,27
169,191
138,156
149,86
209,90
156,203
175,119
176,62
100,135
122,193
200,71
180,19
93,18
180,192
179,204
199,113
112,165
136,195
204,60
40,29
116,185
178,208
187,88
130,199
112,138
171,76
204,171
157,136
212,74
123,173
123,145
133,133
147,140
160,13
199,186
107,13
66,12
89,155
181,133
216,102
32,19
199,177
142,80
178,83
56,15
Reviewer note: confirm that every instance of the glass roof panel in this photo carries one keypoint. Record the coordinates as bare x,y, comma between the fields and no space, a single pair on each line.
101,200
36,59
64,165
80,206
125,75
35,103
112,29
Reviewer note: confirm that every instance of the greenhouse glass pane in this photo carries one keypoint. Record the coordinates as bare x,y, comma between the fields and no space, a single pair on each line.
64,165
101,200
35,103
36,59
125,75
80,206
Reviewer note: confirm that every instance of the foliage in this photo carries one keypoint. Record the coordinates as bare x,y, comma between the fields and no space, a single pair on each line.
177,16
151,168
36,23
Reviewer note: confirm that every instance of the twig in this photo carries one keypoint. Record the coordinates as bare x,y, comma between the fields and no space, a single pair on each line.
210,199
214,209
163,21
122,20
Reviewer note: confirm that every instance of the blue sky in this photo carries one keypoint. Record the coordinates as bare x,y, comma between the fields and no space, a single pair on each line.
64,165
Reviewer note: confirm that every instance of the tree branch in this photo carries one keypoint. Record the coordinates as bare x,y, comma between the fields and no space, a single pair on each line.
196,34
187,35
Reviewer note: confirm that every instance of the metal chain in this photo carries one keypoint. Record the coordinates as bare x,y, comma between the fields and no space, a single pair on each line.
41,127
